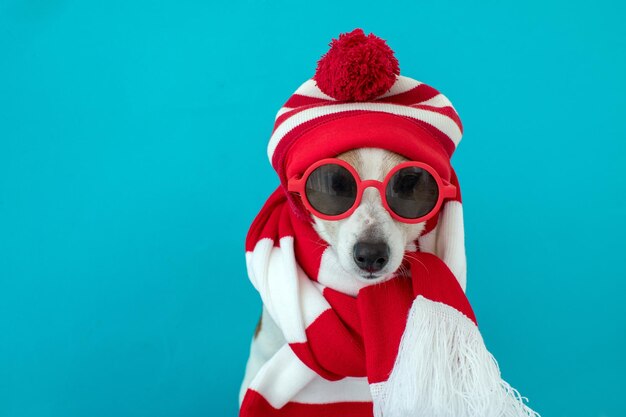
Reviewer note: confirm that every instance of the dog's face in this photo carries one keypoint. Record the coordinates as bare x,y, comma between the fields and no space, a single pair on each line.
370,243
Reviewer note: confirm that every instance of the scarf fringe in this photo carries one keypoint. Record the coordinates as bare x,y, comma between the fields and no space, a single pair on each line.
443,369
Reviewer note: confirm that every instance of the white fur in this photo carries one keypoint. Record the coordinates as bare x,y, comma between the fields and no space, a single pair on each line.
370,220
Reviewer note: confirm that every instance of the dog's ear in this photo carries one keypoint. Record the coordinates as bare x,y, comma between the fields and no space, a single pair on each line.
447,239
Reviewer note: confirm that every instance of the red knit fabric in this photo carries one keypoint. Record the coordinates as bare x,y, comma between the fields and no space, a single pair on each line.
255,405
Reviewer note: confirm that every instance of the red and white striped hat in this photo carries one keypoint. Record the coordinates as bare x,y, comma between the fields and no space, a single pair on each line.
357,98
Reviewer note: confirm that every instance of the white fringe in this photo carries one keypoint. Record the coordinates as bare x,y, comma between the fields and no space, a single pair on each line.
443,369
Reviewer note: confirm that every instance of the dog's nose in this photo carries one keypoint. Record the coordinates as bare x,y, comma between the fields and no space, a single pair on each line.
371,256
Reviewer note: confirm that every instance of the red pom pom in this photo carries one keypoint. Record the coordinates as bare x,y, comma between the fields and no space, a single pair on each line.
356,67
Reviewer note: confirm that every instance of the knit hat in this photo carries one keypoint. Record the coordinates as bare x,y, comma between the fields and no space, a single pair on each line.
409,346
357,98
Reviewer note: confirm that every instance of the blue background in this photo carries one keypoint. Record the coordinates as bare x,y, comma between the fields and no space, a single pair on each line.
133,159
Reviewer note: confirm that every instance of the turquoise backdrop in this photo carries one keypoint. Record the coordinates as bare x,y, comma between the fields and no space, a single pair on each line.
133,159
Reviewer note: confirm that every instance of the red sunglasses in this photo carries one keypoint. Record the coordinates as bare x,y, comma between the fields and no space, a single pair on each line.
412,192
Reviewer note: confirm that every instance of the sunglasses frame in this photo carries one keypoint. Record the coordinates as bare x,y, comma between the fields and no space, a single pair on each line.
297,185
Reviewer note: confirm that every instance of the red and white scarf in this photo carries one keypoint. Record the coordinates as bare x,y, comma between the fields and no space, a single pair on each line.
408,346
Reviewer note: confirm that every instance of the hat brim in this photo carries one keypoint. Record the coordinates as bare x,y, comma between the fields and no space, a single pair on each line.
392,132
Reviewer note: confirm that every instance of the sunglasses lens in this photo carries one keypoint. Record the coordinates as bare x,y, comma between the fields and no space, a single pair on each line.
412,192
331,189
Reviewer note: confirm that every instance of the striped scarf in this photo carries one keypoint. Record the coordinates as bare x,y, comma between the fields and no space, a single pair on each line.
408,346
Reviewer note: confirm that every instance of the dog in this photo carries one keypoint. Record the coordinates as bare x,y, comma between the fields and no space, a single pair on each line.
369,244
349,338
